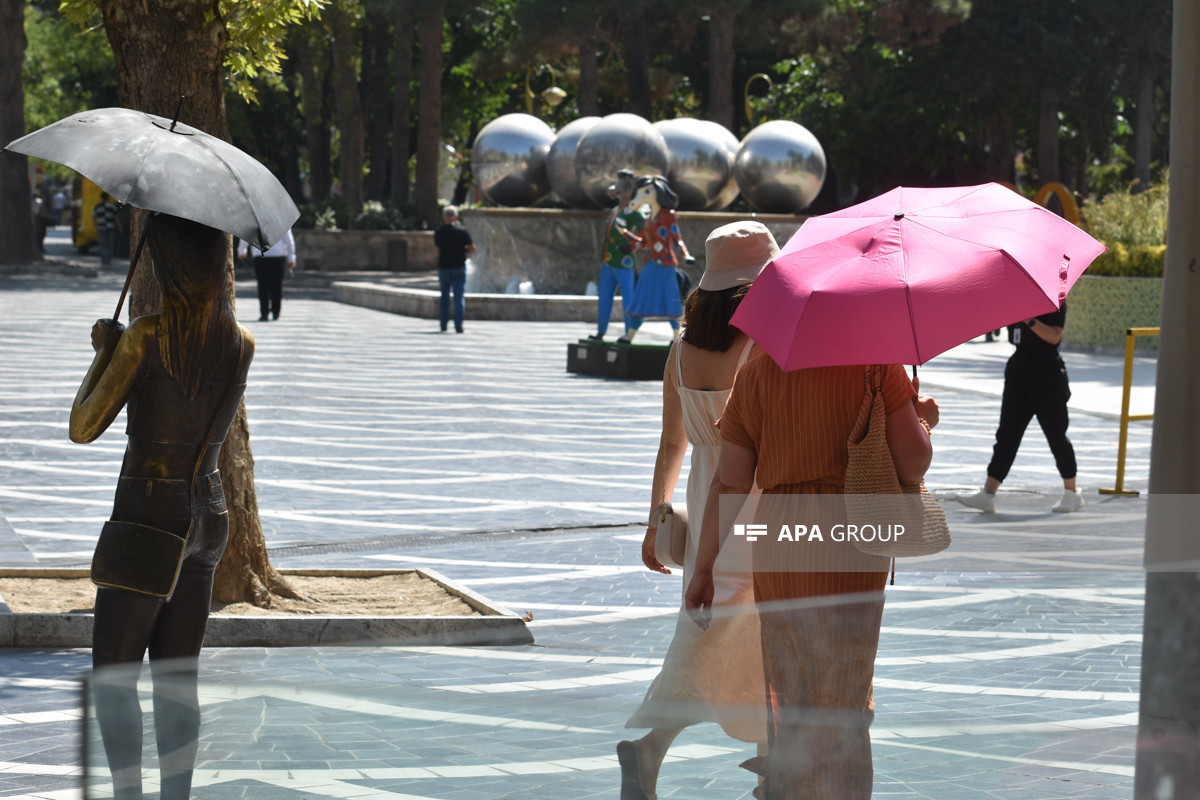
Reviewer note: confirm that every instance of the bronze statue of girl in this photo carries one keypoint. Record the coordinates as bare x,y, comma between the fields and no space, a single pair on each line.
181,374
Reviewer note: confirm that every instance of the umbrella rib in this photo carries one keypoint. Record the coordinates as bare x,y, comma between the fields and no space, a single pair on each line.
908,300
242,186
1024,273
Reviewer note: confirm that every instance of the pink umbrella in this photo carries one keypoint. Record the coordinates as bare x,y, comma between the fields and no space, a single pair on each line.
910,274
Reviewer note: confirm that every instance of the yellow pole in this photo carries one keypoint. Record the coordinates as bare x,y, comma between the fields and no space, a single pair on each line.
1125,392
1130,335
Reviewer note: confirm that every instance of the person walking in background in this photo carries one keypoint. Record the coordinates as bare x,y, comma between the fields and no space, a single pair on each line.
37,209
454,245
104,215
268,271
58,205
1035,385
713,675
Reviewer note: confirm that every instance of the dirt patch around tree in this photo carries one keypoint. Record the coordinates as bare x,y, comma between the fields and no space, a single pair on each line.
401,595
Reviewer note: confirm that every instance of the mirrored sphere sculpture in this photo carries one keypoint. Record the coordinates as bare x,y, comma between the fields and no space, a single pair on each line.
618,141
701,167
560,163
509,160
780,167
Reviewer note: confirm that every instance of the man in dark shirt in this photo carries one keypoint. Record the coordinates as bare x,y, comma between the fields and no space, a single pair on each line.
454,245
1035,385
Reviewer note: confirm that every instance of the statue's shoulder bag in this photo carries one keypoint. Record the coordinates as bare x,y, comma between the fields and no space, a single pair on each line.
144,559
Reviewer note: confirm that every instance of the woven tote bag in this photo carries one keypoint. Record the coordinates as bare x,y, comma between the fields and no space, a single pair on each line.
874,493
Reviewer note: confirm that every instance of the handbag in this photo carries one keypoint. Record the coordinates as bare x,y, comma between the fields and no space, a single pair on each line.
144,559
138,558
670,540
874,494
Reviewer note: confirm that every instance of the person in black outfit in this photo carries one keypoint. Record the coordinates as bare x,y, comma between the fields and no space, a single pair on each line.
454,245
1035,385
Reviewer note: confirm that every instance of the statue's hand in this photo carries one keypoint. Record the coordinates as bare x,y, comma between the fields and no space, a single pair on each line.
105,334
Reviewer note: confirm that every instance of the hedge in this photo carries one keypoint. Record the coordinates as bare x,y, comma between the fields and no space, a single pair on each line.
1143,261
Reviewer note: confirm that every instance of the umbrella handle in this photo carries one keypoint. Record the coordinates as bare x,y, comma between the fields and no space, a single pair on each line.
137,254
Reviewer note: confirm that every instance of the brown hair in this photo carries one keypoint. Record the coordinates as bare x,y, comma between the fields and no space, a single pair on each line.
197,329
706,316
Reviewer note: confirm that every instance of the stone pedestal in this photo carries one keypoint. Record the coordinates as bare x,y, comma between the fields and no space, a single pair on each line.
559,250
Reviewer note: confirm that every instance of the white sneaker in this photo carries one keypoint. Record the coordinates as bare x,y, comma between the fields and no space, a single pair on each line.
1071,501
983,500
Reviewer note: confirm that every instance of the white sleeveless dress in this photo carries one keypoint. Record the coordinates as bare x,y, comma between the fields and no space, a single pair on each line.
713,675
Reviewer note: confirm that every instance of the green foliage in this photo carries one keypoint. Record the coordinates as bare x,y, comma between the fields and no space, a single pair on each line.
1131,219
66,70
1139,261
328,214
383,216
255,29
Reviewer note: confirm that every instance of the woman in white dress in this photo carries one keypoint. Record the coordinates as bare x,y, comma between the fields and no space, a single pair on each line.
715,674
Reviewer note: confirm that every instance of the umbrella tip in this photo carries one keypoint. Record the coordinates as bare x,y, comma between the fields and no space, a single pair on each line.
175,117
898,217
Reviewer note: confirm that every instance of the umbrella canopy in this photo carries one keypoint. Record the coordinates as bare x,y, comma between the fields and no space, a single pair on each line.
910,274
153,163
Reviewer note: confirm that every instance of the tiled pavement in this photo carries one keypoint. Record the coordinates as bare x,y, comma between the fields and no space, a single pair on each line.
1011,674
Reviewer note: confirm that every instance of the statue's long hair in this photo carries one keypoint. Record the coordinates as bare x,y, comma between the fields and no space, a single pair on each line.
197,330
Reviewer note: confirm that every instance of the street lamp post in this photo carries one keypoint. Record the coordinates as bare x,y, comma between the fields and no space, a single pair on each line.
551,96
746,94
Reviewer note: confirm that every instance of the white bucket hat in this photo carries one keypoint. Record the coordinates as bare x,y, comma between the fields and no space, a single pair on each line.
735,254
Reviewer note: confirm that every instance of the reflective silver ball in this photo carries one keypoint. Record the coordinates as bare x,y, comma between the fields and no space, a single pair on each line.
780,167
618,141
560,163
509,160
701,168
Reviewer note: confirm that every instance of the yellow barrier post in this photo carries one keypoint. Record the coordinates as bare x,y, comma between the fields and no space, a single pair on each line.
1130,335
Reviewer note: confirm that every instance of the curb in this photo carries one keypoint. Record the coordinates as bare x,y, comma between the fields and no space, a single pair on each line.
497,625
423,303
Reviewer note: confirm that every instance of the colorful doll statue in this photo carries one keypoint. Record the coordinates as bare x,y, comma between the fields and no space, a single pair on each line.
657,291
617,269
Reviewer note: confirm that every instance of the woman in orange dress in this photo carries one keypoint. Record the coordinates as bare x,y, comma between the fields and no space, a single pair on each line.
819,622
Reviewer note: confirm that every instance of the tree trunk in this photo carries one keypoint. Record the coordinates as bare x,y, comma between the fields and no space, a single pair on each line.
402,102
349,108
1047,155
589,75
429,122
16,235
292,178
1143,131
1000,152
720,65
313,65
375,80
164,49
637,62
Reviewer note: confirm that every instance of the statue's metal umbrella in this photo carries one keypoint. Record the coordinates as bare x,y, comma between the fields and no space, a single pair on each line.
162,165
